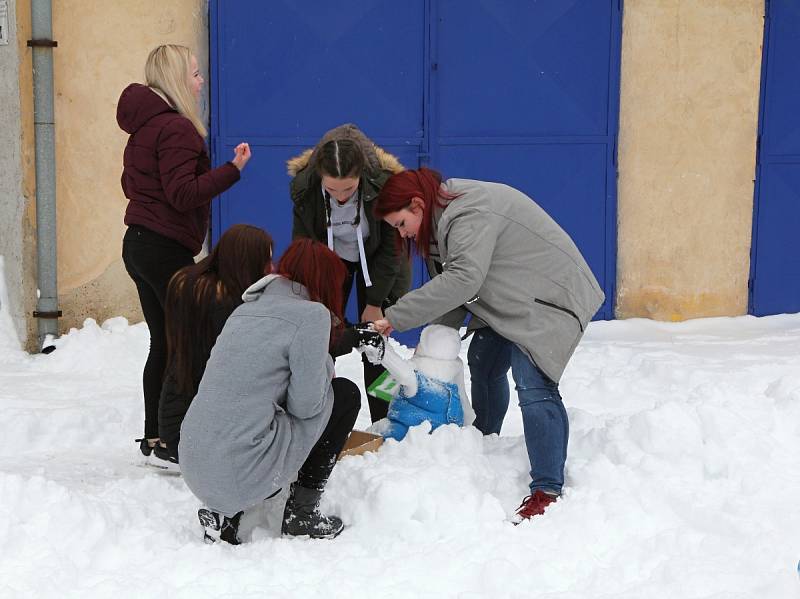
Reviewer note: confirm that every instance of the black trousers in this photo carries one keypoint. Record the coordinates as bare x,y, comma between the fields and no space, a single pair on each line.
151,260
317,468
377,407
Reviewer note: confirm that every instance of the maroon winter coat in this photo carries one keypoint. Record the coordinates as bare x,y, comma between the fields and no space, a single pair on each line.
167,174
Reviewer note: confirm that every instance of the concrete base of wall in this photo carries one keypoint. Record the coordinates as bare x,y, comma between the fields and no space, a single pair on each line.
111,294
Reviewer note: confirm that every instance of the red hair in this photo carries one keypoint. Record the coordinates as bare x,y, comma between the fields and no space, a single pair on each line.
321,272
401,188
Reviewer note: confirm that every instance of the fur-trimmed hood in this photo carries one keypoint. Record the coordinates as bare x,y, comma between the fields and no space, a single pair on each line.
390,274
377,158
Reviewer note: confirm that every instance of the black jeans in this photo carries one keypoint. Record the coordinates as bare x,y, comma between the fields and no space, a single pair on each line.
151,260
377,407
317,468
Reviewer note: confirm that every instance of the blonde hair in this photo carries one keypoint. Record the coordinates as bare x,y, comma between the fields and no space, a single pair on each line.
167,73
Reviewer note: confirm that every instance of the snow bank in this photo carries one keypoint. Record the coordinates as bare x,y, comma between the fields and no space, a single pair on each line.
9,342
683,481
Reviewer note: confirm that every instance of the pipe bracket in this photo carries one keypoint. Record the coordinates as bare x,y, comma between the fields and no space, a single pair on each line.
43,43
38,314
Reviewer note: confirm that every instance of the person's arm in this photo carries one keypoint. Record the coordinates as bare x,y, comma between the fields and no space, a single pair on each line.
311,368
303,197
299,229
179,150
471,239
346,342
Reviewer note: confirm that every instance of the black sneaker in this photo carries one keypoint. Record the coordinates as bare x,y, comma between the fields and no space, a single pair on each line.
302,517
145,447
164,459
217,527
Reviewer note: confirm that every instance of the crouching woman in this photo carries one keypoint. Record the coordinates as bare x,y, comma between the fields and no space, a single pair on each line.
268,409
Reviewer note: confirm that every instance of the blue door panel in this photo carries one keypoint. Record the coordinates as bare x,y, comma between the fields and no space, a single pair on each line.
525,93
523,68
775,254
261,197
568,181
521,95
777,287
782,134
281,61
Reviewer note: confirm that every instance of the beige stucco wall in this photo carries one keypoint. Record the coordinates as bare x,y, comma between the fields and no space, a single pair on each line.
102,46
688,126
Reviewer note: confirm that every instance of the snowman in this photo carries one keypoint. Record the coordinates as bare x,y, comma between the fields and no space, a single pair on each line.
428,386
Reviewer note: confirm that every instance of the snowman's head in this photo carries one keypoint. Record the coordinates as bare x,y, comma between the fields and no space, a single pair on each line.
439,342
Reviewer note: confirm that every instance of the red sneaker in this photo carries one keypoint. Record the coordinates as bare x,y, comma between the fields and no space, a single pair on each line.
533,505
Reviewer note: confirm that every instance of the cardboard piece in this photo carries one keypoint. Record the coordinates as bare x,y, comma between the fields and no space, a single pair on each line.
360,442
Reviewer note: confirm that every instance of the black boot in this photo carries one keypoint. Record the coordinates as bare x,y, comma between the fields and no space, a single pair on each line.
217,527
145,447
302,517
165,459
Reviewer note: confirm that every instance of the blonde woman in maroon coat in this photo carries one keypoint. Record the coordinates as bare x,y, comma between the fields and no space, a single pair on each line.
168,180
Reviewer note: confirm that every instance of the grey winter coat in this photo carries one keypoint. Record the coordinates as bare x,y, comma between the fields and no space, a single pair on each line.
264,399
507,262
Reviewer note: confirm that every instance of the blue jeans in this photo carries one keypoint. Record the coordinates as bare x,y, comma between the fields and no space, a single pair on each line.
544,418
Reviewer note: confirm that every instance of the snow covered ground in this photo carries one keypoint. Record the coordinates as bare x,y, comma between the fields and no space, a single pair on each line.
683,482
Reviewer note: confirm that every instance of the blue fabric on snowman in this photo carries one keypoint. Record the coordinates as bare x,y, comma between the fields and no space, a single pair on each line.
436,401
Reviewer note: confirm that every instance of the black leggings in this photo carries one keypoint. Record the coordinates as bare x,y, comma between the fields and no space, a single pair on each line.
151,260
377,407
317,468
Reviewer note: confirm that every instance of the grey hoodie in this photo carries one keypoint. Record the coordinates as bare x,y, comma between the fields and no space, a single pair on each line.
264,399
509,263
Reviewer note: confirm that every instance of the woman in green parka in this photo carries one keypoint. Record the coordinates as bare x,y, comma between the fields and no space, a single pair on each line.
333,188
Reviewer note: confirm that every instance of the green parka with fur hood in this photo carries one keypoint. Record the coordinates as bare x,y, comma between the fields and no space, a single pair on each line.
390,272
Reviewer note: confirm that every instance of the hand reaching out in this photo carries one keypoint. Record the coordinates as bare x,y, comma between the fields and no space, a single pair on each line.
371,313
383,326
241,155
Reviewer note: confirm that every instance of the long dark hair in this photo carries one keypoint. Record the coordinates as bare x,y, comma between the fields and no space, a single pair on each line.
340,158
242,256
401,188
321,272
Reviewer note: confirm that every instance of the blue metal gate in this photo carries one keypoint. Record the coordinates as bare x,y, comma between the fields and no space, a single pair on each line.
775,254
525,93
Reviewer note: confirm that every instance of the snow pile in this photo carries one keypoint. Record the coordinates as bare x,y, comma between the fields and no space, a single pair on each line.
8,336
683,481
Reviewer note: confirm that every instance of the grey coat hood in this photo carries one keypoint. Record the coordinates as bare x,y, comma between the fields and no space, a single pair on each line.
256,290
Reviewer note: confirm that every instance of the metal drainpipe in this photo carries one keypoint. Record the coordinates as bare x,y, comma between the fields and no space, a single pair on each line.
44,126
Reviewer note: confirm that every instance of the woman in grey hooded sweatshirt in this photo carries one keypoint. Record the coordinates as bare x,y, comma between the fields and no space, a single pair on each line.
268,409
333,188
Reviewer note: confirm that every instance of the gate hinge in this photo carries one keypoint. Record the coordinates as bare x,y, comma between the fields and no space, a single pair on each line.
614,154
758,149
